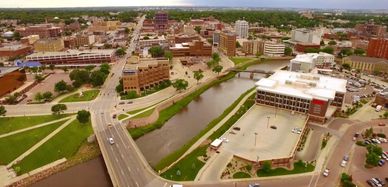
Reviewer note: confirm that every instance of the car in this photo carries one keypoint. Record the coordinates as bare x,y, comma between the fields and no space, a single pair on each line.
380,181
381,162
346,158
236,128
370,182
129,102
114,116
356,135
326,172
343,163
354,138
273,127
121,103
376,182
110,125
111,141
254,185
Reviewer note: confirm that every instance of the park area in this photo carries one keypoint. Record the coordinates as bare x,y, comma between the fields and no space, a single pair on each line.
30,142
87,95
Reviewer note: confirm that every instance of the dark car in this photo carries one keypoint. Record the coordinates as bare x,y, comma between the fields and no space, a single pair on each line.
273,127
114,116
236,128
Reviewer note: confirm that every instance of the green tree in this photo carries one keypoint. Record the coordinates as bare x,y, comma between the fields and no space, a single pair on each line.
47,95
169,56
311,50
180,84
266,167
346,66
346,180
322,43
79,77
60,86
105,68
345,52
83,116
38,97
329,50
217,69
97,78
58,108
385,114
39,78
238,44
3,111
120,87
359,51
332,42
198,29
216,57
11,99
52,67
198,75
17,36
120,52
288,51
156,51
372,159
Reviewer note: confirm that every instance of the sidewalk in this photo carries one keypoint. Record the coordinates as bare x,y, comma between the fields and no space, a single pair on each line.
214,167
44,140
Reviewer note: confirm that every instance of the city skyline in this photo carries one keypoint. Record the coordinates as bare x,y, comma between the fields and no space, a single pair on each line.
323,4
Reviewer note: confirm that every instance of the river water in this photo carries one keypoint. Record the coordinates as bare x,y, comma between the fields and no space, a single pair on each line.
197,115
175,133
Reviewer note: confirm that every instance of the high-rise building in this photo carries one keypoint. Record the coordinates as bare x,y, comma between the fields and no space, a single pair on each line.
306,36
253,47
306,62
274,49
145,74
161,21
241,27
378,47
228,43
368,30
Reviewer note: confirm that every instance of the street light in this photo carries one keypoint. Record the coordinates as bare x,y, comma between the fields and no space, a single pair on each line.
268,121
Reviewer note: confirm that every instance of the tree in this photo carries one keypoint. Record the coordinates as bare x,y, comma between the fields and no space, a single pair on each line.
39,78
238,44
359,51
368,133
83,116
345,52
266,167
105,68
97,78
65,69
198,75
311,50
58,108
120,52
52,66
12,99
385,114
216,57
288,51
17,36
372,159
79,77
217,69
346,180
60,86
169,56
47,95
332,42
198,29
2,110
346,66
329,50
120,87
38,97
180,84
156,51
322,43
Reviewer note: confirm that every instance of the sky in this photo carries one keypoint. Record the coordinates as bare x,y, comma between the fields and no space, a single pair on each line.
324,4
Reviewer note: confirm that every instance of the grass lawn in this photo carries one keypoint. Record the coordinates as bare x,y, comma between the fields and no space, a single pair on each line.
149,91
144,114
299,167
122,116
241,175
9,124
64,144
239,60
187,168
87,96
13,146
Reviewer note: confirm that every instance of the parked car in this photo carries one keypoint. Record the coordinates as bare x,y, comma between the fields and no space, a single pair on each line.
343,163
381,124
370,182
381,162
236,128
129,102
109,124
346,158
254,185
273,127
121,103
111,141
114,116
326,172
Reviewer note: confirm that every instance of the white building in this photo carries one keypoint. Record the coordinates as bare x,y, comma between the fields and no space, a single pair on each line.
241,27
306,36
307,62
274,49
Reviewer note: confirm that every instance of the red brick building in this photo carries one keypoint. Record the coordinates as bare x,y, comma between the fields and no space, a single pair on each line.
13,51
43,30
161,21
378,47
11,79
195,48
301,47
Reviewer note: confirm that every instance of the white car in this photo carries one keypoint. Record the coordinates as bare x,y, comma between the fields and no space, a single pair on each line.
111,141
326,172
343,163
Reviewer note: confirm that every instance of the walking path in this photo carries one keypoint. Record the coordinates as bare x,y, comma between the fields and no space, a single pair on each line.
214,167
210,132
34,127
44,140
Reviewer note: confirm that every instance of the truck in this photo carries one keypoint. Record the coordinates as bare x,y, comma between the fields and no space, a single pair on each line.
378,108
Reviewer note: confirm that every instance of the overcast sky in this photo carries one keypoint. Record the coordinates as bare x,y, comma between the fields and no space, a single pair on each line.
333,4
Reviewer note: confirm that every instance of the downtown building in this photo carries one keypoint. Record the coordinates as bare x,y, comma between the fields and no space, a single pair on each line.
73,57
161,22
228,43
195,48
13,51
272,48
49,45
43,30
241,27
305,63
378,47
366,64
315,95
11,78
142,74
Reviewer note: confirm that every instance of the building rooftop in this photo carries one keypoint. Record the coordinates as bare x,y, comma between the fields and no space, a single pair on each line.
73,52
367,59
6,70
302,85
12,47
309,57
137,63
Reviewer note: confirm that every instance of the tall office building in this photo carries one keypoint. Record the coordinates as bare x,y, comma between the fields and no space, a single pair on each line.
378,47
241,27
306,36
161,21
228,43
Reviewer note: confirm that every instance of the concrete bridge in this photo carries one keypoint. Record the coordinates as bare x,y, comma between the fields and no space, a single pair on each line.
252,72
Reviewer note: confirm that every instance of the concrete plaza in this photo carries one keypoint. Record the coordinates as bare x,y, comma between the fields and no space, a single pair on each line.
258,141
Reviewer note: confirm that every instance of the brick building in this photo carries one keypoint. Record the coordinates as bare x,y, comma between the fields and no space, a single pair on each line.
315,95
370,30
301,47
195,48
378,47
228,43
11,78
366,64
382,98
49,45
43,30
161,22
73,57
13,51
144,74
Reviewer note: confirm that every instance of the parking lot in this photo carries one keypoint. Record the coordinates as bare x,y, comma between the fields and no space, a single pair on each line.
258,139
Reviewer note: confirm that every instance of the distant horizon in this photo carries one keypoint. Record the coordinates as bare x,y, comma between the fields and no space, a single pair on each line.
270,4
